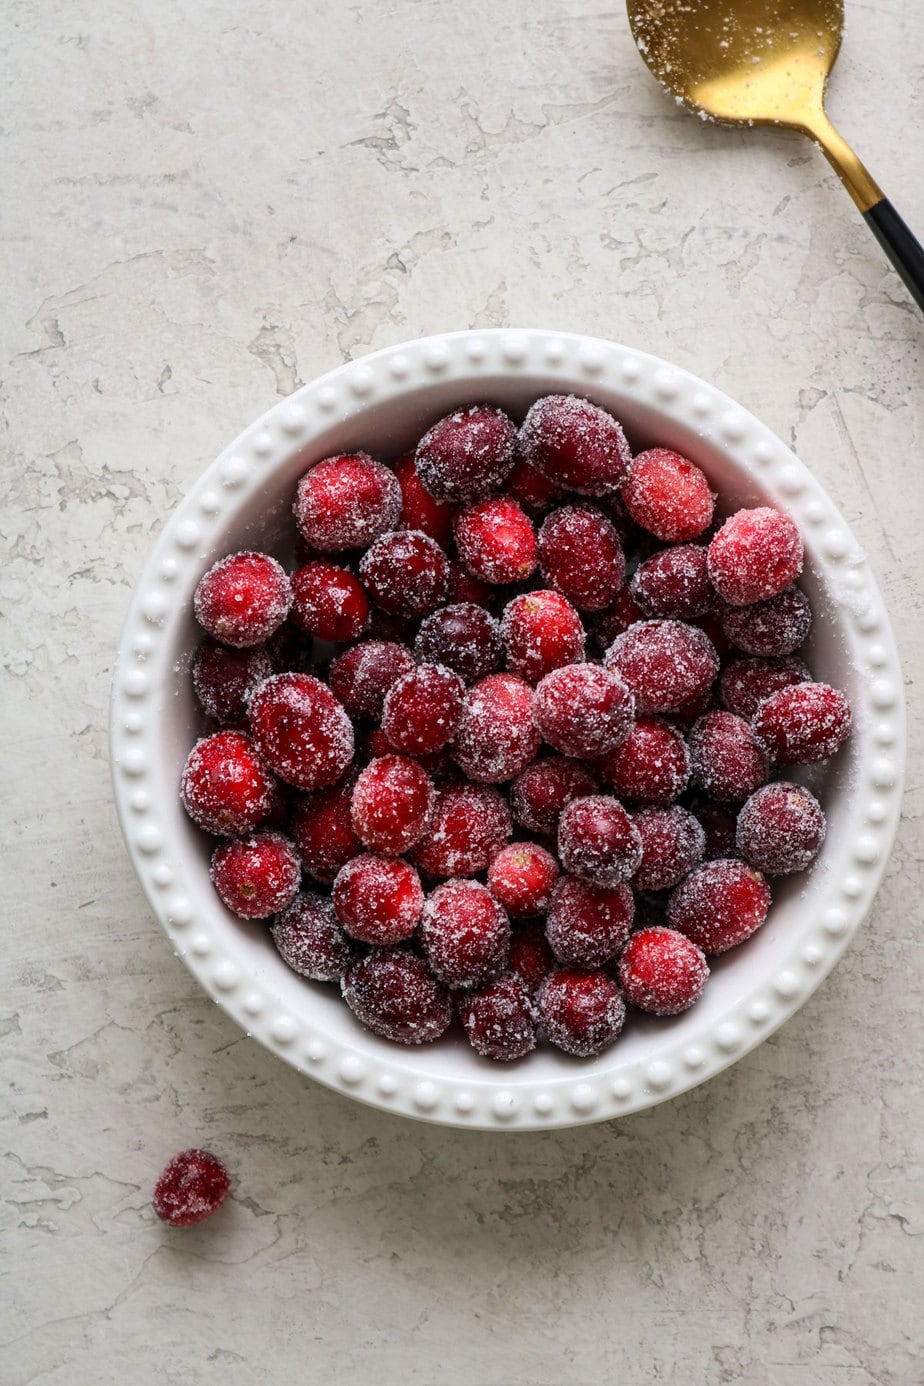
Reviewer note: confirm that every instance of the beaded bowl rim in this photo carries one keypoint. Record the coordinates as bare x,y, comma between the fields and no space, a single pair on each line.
391,1077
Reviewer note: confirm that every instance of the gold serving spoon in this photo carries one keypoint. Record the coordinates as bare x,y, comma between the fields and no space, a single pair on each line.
765,62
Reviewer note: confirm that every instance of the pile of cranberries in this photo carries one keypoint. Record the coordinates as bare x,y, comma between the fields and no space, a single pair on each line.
501,746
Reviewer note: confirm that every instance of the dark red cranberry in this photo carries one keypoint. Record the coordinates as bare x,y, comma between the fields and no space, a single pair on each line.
781,829
668,496
361,676
496,541
728,762
191,1188
587,925
581,1012
674,584
584,710
802,724
224,678
615,619
464,638
673,842
662,971
497,734
774,627
243,599
301,730
226,786
469,825
346,502
541,791
392,802
463,587
575,444
747,680
533,491
720,904
541,632
422,709
665,663
598,841
530,955
393,993
378,899
308,938
755,555
581,557
406,573
718,822
329,602
256,876
466,934
500,1020
322,831
652,765
467,455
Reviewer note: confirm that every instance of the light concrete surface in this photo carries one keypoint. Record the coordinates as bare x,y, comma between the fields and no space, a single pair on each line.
205,205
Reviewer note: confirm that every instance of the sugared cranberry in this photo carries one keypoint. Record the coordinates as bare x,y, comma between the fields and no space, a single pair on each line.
462,637
688,714
662,971
652,765
422,709
392,802
774,627
256,876
673,843
665,663
500,1020
301,730
728,763
346,502
581,557
394,994
467,455
616,618
378,899
711,624
463,587
497,734
755,555
322,831
398,630
541,791
668,496
190,1188
329,602
243,599
224,678
747,680
466,934
308,938
541,632
522,877
530,955
581,1012
584,710
575,444
718,823
802,724
496,541
720,904
598,841
533,491
469,825
674,584
361,676
587,925
226,786
406,573
781,829
420,510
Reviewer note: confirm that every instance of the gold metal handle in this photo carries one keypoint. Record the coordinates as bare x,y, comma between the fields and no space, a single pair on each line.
862,187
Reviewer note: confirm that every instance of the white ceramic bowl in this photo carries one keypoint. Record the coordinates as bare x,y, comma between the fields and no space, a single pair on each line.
382,403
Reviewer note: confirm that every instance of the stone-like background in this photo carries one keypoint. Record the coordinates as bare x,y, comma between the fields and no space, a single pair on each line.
206,205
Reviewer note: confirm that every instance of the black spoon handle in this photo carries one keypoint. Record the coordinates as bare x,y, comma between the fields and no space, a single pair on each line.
903,249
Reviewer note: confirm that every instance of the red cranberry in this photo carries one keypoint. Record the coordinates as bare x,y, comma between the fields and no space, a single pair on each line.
322,831
422,709
581,557
466,934
224,678
774,627
711,625
719,905
467,455
406,573
652,766
584,710
665,663
662,971
668,496
463,587
394,994
463,637
728,762
346,502
598,841
256,876
329,602
361,676
521,877
226,787
378,899
747,680
673,843
802,724
541,632
243,599
581,1012
530,955
533,491
781,829
419,510
496,541
685,716
756,554
301,730
674,584
588,925
469,826
541,791
718,823
191,1188
497,734
500,1020
575,444
618,617
392,802
289,649
308,938
397,630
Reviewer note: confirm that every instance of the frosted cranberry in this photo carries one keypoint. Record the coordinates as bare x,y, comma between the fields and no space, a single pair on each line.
718,824
584,710
533,491
224,678
774,627
755,555
308,938
747,680
378,899
668,496
469,825
541,632
617,618
531,957
301,730
711,625
665,663
420,510
662,971
329,602
688,714
394,994
463,587
361,676
226,786
522,877
673,842
322,831
462,637
652,766
727,761
802,724
674,583
575,444
392,802
190,1188
346,502
422,709
581,1012
256,876
496,541
397,630
719,905
467,455
598,841
587,925
500,1020
541,791
466,934
497,734
406,573
243,599
781,829
581,557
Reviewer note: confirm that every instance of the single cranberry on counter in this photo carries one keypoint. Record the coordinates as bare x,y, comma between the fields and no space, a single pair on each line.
243,599
469,825
190,1188
541,791
747,679
392,802
256,876
301,730
584,710
755,555
668,496
329,602
674,584
774,627
522,877
467,455
394,994
378,900
308,937
420,510
322,830
463,637
497,734
802,724
720,904
575,444
588,925
496,541
728,762
665,663
662,971
346,502
531,958
224,678
501,1019
406,573
580,556
781,829
673,842
598,841
541,632
652,765
466,934
422,709
226,787
362,675
581,1012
